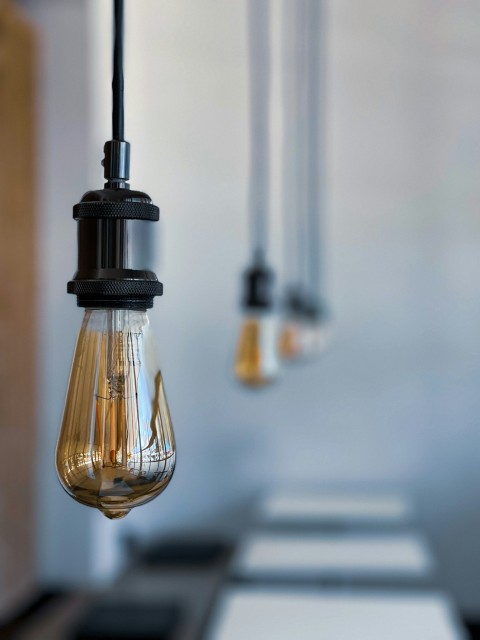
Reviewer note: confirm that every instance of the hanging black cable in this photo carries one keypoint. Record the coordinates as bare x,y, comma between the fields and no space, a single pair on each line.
118,124
302,145
295,115
259,74
289,155
258,278
313,152
117,151
304,293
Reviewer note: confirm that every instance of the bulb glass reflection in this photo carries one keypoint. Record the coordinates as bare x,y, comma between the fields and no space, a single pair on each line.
116,448
256,362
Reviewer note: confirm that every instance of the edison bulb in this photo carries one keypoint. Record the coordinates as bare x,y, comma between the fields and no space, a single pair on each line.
317,335
116,448
256,362
302,339
291,343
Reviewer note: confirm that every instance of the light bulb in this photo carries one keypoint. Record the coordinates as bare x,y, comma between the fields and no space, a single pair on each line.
303,339
116,448
291,342
256,363
316,337
306,330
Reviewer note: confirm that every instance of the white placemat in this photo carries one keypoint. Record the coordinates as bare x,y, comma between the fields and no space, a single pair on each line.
275,615
348,507
404,555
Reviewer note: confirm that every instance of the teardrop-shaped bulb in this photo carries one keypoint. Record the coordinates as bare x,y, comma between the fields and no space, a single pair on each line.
316,337
291,342
256,362
116,448
303,339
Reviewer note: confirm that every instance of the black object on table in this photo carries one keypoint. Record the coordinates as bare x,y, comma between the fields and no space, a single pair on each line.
180,553
125,621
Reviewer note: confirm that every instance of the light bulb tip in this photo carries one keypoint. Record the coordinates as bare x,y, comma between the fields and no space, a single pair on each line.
115,514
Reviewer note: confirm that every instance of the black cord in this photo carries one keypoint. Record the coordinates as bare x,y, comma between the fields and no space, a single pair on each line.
118,125
304,152
259,72
314,36
311,152
302,132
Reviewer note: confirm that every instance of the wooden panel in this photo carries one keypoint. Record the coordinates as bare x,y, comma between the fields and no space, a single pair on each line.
17,305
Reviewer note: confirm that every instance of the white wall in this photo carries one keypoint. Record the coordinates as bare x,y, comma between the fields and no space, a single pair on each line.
396,400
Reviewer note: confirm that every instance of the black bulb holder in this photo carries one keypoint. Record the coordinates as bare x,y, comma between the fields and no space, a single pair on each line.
258,286
114,227
302,305
316,311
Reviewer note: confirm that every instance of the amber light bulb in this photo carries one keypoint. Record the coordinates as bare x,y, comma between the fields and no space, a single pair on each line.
116,448
256,363
317,337
290,344
306,331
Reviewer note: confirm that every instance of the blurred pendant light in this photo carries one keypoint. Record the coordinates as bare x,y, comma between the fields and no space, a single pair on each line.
293,83
317,330
256,362
306,328
116,448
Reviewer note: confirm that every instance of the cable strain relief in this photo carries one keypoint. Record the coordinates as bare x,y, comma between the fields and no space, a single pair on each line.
116,163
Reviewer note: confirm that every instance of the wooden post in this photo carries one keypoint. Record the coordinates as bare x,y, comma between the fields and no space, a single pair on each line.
17,306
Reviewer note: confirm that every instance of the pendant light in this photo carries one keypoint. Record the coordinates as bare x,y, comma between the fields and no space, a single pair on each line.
116,448
256,363
294,172
317,328
306,328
